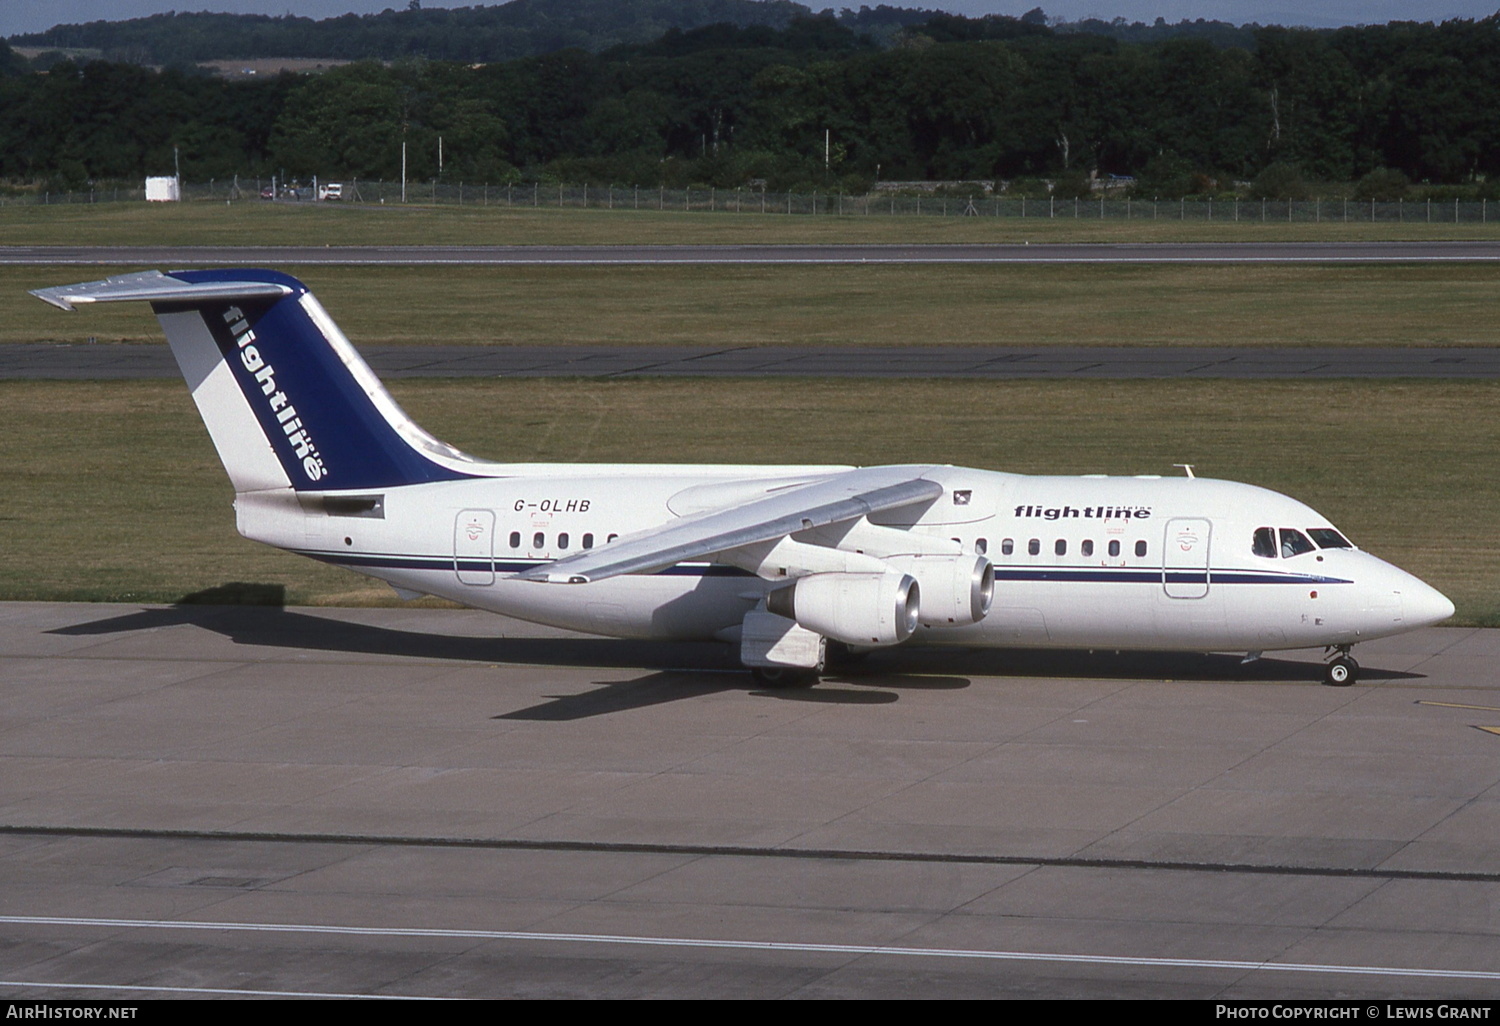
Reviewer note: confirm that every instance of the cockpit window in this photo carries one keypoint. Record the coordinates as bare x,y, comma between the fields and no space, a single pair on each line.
1264,543
1294,543
1328,538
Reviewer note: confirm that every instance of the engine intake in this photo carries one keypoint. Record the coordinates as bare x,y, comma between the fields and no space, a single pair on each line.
956,590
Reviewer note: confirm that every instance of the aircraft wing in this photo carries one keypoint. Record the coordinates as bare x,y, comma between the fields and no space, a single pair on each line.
833,500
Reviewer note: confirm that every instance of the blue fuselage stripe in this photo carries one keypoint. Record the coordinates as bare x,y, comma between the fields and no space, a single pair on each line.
1051,574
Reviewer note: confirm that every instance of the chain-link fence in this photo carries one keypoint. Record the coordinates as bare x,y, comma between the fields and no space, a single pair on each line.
755,201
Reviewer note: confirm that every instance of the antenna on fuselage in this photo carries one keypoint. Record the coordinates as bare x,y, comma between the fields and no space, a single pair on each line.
1187,467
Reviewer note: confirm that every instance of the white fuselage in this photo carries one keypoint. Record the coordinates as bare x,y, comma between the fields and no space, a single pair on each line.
1080,562
781,560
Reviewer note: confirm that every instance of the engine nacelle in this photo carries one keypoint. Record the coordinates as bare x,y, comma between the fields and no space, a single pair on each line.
956,590
857,609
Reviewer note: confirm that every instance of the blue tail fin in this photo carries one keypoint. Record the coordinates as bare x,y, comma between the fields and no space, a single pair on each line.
268,367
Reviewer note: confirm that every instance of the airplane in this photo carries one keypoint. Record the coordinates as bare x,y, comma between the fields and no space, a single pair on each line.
794,565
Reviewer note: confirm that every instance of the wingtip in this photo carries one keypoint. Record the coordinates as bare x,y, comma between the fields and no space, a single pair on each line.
50,297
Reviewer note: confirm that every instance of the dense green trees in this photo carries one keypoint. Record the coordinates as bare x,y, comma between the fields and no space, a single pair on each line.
467,34
101,120
806,103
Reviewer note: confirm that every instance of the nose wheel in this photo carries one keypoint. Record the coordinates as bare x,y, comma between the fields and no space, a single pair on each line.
1341,671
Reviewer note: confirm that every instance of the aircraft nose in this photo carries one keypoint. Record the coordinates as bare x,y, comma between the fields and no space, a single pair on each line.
1423,605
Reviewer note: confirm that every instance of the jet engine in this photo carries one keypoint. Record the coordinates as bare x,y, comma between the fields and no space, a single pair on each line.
956,590
857,609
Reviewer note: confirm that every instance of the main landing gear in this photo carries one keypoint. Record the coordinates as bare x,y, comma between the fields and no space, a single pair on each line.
1341,670
785,676
837,657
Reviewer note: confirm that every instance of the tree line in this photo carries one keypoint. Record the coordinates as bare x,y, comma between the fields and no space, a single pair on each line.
526,28
812,105
499,32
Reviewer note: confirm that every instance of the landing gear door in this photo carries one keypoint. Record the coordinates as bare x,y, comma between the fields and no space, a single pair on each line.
1185,557
474,546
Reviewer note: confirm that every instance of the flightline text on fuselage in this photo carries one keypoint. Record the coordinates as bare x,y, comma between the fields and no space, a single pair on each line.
1086,512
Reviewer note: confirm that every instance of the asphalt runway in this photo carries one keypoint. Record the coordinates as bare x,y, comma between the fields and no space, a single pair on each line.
988,362
105,362
205,800
961,253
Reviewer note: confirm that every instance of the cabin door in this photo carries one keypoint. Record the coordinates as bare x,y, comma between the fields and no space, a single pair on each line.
1185,557
474,546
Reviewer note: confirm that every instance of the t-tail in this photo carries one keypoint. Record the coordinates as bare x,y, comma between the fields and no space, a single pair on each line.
286,398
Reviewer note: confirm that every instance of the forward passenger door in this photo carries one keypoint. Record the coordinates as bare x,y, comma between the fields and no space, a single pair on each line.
1185,557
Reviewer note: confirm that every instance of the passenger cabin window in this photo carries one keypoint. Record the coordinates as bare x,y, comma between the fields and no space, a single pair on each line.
1088,547
1007,546
610,538
1294,543
1114,547
1034,546
588,541
562,540
1060,546
1328,538
539,540
1140,548
515,539
1264,543
981,545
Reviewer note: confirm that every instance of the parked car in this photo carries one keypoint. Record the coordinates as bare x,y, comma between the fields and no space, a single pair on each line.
331,191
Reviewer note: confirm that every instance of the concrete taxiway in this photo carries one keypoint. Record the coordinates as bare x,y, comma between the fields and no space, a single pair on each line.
116,362
211,800
839,253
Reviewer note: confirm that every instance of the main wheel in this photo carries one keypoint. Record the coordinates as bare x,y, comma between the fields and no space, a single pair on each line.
841,657
784,676
1341,672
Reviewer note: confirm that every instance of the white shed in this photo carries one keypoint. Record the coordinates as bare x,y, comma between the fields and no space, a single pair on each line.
163,190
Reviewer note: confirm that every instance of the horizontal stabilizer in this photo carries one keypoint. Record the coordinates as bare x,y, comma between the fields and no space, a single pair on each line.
155,287
834,500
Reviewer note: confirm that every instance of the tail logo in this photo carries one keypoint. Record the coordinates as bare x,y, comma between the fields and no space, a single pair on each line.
281,407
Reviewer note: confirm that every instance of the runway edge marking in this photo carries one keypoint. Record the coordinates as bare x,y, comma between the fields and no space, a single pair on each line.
748,945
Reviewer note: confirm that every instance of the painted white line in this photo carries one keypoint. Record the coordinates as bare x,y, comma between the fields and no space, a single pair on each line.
230,991
746,945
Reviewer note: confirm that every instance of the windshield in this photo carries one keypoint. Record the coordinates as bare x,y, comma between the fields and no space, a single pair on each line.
1294,543
1328,538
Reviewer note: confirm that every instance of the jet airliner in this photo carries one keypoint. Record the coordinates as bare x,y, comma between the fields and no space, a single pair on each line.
780,561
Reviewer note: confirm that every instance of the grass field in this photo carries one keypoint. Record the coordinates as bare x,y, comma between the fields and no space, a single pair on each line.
113,491
252,222
1166,305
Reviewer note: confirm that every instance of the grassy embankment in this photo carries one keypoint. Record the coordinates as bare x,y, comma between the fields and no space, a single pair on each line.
113,491
252,222
1158,305
751,305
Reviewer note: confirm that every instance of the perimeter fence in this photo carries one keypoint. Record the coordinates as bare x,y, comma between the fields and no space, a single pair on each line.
754,201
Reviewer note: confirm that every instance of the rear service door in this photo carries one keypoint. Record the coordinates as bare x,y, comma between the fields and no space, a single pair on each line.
474,546
1185,565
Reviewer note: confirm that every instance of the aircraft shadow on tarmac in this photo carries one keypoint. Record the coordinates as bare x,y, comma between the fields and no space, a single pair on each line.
683,670
674,685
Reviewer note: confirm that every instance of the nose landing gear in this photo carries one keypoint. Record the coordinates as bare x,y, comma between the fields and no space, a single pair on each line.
1341,670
